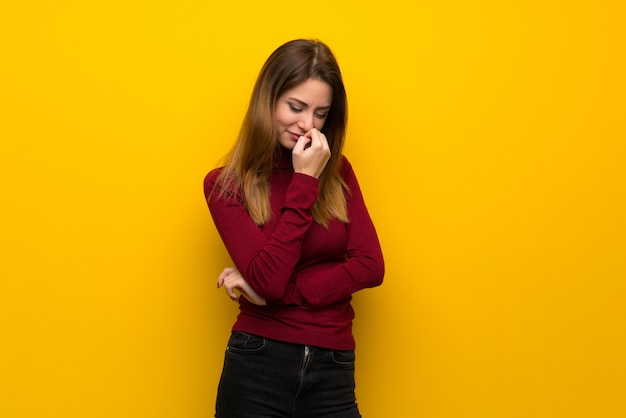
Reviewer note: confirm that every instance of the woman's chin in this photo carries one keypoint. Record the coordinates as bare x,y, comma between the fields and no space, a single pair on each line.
287,143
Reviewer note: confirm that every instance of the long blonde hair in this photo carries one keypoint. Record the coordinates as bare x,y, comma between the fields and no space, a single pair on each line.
249,164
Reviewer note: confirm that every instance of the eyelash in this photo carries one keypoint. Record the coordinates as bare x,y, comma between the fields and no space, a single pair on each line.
298,110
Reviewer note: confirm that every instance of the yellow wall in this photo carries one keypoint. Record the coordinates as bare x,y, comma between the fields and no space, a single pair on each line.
488,137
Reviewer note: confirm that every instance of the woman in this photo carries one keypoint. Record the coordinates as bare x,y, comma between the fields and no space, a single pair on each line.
290,212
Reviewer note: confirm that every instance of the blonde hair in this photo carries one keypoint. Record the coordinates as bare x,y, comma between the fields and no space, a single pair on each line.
249,164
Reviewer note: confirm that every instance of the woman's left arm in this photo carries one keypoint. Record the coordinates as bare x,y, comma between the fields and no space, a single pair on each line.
326,283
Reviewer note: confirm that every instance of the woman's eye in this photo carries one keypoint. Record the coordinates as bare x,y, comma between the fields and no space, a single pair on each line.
294,108
321,115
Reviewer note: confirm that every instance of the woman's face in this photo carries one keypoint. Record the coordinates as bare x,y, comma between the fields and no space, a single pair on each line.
301,109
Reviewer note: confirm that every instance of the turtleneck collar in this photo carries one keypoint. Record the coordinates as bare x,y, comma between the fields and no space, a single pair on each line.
282,158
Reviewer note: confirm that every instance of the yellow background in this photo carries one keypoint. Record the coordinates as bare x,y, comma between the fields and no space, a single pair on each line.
488,137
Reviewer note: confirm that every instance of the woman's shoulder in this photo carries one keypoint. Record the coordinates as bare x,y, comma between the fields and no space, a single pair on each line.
213,174
210,180
345,168
223,186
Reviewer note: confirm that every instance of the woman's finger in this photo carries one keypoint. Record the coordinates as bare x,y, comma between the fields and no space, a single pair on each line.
302,143
234,284
230,287
317,138
225,273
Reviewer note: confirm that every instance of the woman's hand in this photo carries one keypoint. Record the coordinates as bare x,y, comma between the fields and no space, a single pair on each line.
233,281
311,153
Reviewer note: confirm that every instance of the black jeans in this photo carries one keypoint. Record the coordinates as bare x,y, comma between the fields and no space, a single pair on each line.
265,378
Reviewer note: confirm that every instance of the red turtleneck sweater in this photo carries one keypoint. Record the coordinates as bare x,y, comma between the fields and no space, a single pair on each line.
306,272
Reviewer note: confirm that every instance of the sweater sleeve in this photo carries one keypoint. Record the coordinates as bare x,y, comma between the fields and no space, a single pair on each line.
267,263
363,267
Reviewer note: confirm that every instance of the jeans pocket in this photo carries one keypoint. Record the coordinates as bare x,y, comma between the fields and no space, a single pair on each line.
241,342
343,358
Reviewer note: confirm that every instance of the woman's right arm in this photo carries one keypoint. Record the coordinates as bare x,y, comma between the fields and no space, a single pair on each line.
266,261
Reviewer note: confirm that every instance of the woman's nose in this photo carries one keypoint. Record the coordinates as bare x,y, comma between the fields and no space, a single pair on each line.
306,121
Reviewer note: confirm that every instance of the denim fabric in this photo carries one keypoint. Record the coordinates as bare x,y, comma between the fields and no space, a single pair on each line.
265,378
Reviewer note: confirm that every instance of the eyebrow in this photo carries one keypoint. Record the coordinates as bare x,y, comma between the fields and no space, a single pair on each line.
307,105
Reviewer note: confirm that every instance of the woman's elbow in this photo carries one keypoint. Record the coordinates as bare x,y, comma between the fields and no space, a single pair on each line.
272,292
378,273
269,290
267,283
